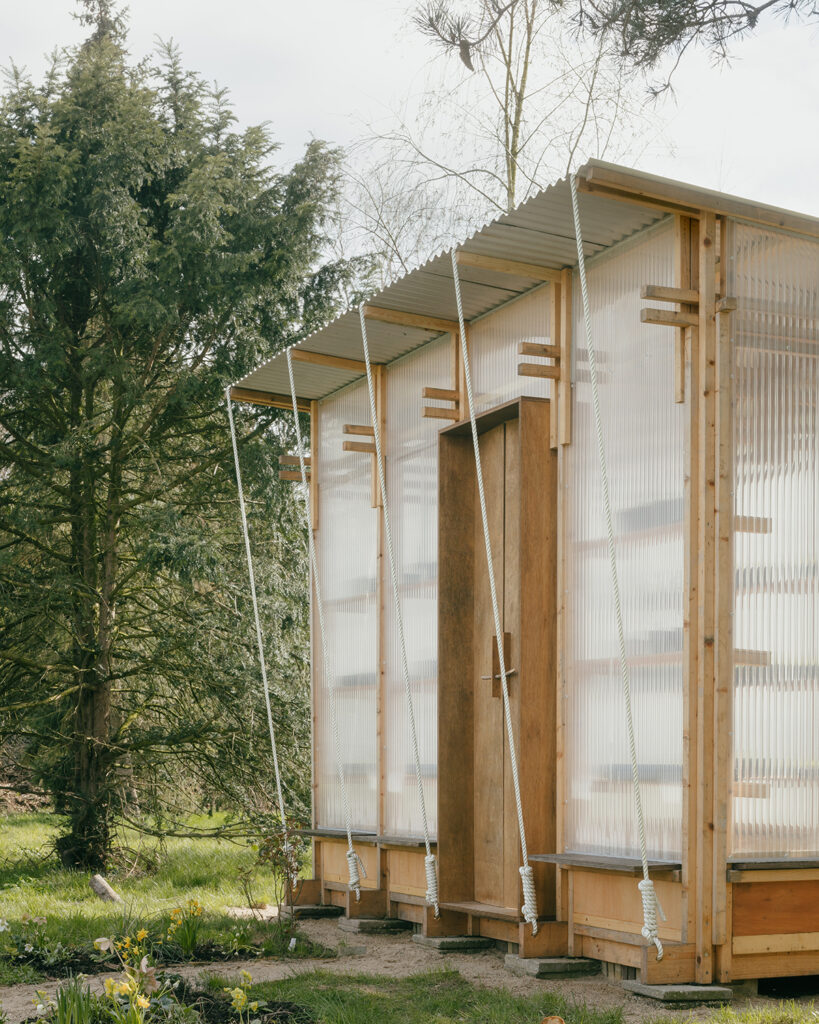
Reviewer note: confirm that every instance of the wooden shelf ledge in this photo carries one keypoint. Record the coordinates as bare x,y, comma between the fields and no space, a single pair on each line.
622,865
368,838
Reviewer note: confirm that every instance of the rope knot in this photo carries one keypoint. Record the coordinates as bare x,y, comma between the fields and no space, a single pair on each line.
431,868
355,866
651,908
529,908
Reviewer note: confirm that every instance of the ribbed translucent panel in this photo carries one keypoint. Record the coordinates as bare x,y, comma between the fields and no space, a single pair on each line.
775,797
493,350
412,482
347,556
645,435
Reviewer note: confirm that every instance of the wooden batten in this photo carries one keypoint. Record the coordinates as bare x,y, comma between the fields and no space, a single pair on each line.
667,318
752,524
433,412
539,370
662,293
503,266
364,447
441,394
293,460
564,386
530,348
359,430
293,475
551,351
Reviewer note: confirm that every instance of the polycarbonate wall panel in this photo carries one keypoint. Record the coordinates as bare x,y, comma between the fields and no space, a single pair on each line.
493,350
347,547
775,796
412,486
645,434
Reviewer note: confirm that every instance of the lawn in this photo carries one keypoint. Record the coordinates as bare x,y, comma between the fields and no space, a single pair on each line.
210,871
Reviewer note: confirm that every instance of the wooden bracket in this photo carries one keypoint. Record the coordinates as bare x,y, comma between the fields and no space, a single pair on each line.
442,395
753,524
293,474
538,370
661,293
359,429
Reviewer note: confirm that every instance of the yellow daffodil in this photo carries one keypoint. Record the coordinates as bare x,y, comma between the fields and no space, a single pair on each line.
143,1003
254,1007
142,934
109,986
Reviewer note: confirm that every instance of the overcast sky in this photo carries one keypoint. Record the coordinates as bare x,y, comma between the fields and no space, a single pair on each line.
324,67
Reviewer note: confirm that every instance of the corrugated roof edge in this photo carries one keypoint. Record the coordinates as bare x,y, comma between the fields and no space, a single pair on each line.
596,177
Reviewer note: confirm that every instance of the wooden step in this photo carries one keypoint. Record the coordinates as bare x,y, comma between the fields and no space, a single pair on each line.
485,910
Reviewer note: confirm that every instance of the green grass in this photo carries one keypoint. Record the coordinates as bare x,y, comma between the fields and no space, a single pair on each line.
438,996
785,1012
32,882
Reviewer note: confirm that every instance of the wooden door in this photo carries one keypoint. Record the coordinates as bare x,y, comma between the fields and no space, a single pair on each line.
495,816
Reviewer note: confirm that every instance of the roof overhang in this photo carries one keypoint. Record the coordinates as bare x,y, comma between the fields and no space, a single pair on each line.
502,261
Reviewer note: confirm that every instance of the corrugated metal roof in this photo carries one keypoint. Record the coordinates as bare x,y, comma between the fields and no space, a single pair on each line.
540,232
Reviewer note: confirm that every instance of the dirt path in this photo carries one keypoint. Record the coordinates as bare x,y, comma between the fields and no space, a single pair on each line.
397,956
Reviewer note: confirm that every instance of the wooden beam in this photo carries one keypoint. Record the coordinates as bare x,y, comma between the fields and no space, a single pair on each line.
364,447
268,398
664,294
538,370
314,485
686,295
359,429
530,348
293,460
333,362
402,319
667,318
502,266
706,594
438,413
693,202
291,474
442,394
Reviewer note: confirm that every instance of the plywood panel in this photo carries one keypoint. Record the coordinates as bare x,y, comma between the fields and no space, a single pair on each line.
334,863
613,901
456,538
406,872
488,710
775,908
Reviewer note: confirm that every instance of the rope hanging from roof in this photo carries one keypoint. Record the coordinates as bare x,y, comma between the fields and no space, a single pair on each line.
355,866
430,861
648,895
529,908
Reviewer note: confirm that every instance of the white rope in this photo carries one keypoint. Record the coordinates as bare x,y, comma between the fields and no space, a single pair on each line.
430,861
252,577
354,863
529,908
651,906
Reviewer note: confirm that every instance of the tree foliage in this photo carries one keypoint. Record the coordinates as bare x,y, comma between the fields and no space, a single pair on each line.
149,254
642,31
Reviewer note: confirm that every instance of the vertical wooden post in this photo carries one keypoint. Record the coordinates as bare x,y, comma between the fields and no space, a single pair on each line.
724,607
554,338
562,876
707,500
687,231
457,374
564,387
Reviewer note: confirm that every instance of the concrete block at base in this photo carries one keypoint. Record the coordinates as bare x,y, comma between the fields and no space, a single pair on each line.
681,993
551,966
373,925
454,943
311,911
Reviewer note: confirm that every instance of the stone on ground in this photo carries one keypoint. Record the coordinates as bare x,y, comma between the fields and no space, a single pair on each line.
681,993
454,943
551,966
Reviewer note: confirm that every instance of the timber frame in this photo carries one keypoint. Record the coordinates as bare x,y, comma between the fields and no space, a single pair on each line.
726,921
